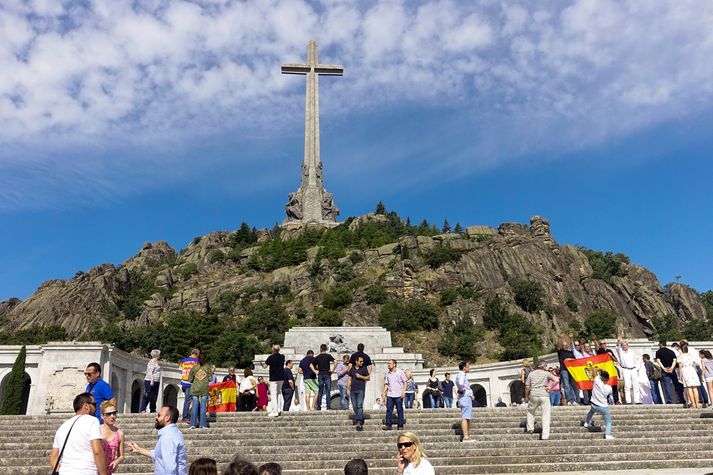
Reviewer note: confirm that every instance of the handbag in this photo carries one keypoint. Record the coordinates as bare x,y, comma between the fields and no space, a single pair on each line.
54,470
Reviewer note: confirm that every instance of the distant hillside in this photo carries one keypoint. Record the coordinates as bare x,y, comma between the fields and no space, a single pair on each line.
448,293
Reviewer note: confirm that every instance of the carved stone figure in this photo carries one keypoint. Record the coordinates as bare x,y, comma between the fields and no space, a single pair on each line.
294,207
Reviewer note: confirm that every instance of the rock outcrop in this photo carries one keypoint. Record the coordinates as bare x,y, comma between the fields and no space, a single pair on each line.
490,259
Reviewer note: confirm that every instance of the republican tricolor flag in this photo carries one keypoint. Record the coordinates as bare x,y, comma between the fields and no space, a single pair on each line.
582,369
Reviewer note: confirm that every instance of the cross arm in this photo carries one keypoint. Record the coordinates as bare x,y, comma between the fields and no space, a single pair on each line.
329,69
295,69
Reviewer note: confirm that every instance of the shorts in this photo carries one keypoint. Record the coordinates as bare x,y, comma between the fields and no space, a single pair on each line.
310,386
709,379
466,407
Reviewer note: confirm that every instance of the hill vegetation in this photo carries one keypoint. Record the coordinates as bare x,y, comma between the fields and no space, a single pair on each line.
447,292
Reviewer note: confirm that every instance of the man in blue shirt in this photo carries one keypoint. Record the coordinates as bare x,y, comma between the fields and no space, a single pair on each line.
170,456
98,388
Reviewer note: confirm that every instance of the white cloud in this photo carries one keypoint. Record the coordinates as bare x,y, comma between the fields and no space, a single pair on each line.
85,77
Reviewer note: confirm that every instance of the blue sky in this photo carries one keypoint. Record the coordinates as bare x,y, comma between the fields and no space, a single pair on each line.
127,123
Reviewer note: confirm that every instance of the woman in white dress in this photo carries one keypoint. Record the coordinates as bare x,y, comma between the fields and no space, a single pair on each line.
687,364
411,459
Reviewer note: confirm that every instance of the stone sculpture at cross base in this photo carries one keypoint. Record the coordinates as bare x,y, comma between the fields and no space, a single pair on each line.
311,203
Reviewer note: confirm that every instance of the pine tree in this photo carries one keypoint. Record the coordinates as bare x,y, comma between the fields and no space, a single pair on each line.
380,208
446,226
12,402
458,229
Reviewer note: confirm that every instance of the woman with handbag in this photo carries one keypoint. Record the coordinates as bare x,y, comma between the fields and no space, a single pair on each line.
246,402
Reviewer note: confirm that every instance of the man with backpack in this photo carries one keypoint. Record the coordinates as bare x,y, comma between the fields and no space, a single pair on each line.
653,372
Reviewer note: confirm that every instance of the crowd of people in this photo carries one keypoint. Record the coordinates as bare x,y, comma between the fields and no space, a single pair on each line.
91,442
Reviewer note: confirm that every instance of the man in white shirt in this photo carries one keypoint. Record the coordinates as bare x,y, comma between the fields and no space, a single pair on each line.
599,402
465,399
81,438
628,362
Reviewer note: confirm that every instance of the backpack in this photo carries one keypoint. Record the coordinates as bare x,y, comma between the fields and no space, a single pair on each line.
657,372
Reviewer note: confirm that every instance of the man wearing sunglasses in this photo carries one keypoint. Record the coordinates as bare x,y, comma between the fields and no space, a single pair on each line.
98,388
79,441
170,456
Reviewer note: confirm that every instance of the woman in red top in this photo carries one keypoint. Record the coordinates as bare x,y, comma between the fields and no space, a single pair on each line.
261,394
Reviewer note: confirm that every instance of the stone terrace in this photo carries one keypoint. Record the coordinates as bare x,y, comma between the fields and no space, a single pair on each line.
663,437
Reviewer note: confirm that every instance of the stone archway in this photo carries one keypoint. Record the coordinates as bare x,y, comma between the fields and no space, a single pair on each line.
517,391
170,396
136,390
480,395
26,386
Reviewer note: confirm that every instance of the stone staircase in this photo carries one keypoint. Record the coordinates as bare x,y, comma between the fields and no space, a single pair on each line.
664,437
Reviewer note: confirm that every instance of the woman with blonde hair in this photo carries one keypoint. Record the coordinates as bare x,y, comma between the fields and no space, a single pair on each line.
689,377
151,382
112,438
411,458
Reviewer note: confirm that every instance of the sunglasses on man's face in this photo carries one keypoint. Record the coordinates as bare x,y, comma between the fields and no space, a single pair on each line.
401,445
109,414
89,374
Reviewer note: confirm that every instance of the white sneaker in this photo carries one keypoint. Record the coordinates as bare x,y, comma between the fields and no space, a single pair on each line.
609,436
585,425
272,414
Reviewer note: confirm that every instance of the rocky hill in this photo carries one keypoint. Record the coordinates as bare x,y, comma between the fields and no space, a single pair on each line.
349,274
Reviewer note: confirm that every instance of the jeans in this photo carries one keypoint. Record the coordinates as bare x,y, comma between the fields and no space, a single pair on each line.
555,398
702,393
150,396
343,402
655,394
357,398
542,402
390,402
448,401
287,393
604,411
275,393
324,382
435,399
567,385
187,399
199,406
408,401
666,383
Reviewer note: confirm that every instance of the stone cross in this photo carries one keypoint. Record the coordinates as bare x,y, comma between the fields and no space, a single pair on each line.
311,203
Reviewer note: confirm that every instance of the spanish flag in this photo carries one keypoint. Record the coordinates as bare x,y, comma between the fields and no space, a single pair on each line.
222,397
582,369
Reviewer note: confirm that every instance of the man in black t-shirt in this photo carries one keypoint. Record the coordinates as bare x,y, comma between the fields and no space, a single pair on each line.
564,353
325,367
360,352
356,387
288,386
308,371
601,348
276,362
666,358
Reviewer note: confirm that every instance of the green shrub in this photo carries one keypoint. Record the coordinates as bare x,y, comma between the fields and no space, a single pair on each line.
572,304
519,337
216,255
441,254
461,338
328,318
267,320
337,298
225,303
495,312
666,328
233,347
376,294
413,315
606,264
14,386
601,322
449,295
187,270
529,294
141,287
699,329
356,257
707,300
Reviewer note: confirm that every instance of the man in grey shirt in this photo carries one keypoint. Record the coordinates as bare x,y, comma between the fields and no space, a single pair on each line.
536,395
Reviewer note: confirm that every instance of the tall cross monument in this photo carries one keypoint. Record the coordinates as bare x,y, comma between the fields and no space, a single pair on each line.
311,203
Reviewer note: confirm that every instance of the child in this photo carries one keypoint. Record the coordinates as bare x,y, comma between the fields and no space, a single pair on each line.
599,403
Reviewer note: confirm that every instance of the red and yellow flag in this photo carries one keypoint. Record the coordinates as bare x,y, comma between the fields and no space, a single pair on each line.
582,369
222,397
